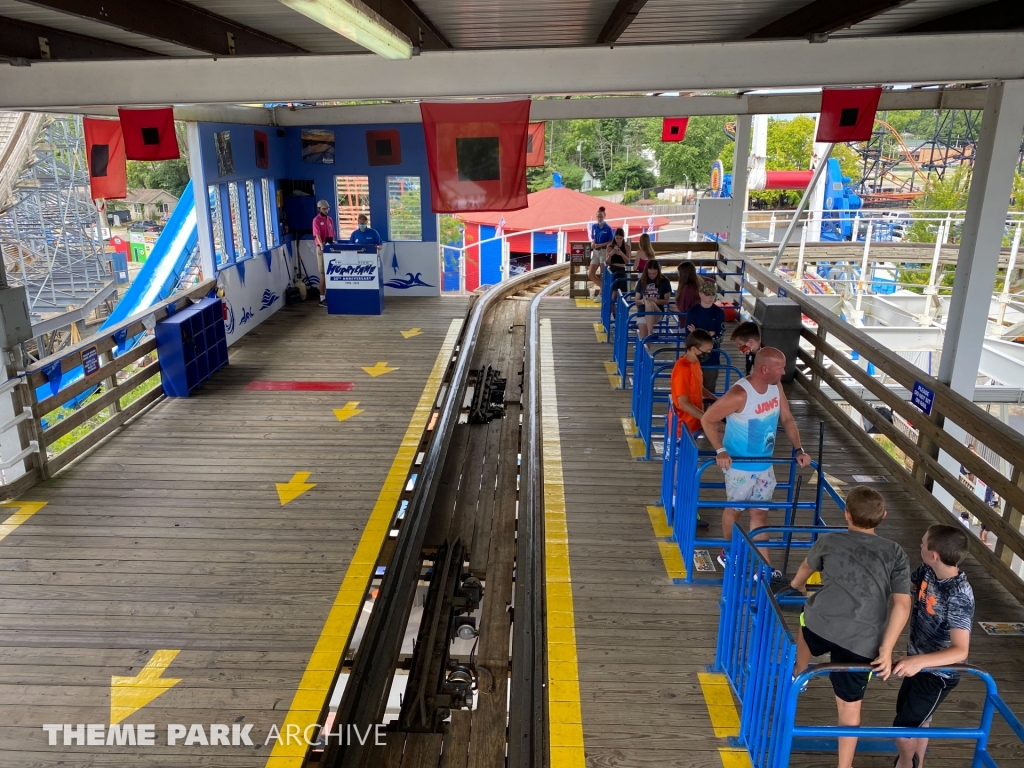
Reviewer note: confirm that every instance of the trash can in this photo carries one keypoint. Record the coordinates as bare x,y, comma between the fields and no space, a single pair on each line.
781,322
120,268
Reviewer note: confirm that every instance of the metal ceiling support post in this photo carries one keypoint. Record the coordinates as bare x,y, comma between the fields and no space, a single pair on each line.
801,207
980,244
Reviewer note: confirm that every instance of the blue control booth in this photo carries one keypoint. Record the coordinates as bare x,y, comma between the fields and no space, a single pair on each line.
354,285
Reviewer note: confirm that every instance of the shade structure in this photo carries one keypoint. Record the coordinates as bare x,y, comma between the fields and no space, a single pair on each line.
549,212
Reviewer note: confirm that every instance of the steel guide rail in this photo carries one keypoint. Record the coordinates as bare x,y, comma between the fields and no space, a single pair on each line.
365,699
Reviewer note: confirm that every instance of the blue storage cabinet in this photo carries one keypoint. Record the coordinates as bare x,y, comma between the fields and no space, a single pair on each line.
191,345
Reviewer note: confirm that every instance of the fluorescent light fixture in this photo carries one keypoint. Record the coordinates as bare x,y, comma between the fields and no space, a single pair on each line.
357,22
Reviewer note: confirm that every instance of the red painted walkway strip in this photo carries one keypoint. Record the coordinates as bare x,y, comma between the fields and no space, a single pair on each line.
301,386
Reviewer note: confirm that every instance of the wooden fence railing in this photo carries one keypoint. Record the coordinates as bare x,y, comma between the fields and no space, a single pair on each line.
822,362
115,381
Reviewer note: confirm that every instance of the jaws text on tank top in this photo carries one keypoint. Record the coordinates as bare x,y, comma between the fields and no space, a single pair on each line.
751,431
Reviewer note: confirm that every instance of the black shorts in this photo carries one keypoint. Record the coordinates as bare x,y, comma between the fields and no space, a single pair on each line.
849,686
919,697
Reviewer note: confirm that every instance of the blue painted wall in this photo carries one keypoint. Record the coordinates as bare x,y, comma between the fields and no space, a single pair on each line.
350,160
490,257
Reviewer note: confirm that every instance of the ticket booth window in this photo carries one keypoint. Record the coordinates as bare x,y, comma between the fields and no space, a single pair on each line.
217,224
269,213
235,207
353,199
405,212
254,222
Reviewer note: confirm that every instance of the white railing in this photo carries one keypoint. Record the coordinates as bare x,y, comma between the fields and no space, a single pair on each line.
866,224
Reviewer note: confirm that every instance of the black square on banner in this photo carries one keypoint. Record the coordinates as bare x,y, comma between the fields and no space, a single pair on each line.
477,158
848,117
99,159
383,148
151,136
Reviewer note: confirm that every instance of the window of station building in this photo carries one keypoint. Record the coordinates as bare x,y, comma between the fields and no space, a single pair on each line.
269,212
405,208
217,224
353,199
235,206
254,219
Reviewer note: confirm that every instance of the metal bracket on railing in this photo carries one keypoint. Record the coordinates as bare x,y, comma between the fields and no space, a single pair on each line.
25,415
33,447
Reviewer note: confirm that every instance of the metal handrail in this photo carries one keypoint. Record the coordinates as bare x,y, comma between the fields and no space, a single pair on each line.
527,744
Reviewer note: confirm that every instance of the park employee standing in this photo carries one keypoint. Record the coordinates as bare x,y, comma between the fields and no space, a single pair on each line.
323,233
366,235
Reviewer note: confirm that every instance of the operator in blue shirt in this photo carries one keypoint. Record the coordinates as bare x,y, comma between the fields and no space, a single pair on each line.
366,236
600,235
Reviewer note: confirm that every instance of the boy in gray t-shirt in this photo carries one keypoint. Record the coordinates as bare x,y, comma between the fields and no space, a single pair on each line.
862,607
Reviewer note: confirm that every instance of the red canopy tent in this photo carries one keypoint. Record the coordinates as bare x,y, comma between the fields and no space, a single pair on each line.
535,229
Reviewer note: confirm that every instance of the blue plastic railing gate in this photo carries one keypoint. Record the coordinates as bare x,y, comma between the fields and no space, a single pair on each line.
652,369
757,653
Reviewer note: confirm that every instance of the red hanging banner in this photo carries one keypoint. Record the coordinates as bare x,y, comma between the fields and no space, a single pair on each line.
477,155
535,146
384,147
262,149
847,114
104,151
149,134
674,128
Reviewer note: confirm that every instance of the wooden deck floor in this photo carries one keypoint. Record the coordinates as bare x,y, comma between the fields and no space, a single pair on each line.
642,640
171,536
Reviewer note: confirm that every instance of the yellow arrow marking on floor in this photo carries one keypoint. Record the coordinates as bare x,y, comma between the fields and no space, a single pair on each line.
351,409
294,488
411,332
379,369
25,510
835,482
129,694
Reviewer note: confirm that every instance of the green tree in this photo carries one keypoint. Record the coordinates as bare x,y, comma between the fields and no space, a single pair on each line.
572,176
630,174
170,175
947,194
692,159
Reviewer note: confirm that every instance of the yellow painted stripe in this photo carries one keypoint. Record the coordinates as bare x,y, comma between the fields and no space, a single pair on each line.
658,522
613,373
637,448
725,718
565,720
600,332
587,303
315,686
25,510
673,559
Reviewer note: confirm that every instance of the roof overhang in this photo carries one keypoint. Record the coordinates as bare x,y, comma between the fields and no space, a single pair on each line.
962,58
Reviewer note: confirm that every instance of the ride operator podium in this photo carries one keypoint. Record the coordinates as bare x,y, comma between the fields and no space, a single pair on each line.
354,285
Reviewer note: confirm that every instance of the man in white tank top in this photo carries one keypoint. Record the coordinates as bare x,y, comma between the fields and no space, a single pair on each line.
752,410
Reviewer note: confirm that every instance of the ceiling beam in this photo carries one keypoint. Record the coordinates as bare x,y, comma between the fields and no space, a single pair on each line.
636,106
408,17
622,16
1002,14
21,40
824,16
923,59
175,22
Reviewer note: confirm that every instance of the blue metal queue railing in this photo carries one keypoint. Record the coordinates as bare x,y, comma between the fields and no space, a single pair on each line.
757,653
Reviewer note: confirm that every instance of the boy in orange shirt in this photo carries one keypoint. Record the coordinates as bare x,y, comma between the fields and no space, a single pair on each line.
688,391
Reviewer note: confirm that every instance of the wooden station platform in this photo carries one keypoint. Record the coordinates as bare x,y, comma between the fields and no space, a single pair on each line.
644,642
206,542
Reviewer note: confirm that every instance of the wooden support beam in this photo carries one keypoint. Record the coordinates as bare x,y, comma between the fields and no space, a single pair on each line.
1000,15
34,42
176,22
824,16
622,16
